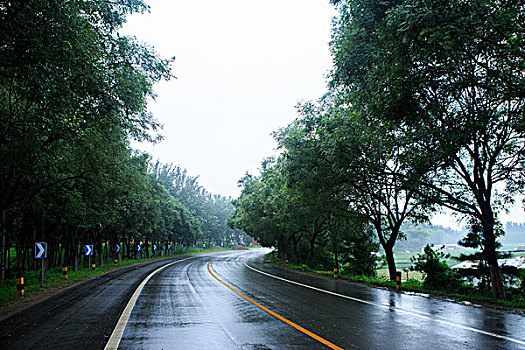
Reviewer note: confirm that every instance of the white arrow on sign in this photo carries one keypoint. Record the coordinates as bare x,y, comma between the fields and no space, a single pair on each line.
40,250
139,248
154,247
118,247
89,250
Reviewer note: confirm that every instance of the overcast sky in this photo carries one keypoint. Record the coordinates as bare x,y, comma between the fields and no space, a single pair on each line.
241,68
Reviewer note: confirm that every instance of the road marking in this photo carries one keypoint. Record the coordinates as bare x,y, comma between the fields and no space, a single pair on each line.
456,325
296,326
118,331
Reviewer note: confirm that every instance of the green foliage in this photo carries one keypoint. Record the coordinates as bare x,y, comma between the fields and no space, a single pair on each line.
73,93
446,77
361,259
438,274
521,288
210,212
54,279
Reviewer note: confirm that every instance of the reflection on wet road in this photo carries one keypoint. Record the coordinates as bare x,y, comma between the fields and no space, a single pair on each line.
185,307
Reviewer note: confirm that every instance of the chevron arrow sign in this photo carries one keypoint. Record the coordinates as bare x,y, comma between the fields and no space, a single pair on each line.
40,250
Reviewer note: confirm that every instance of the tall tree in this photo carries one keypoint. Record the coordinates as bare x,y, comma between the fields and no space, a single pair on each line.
66,76
357,164
450,73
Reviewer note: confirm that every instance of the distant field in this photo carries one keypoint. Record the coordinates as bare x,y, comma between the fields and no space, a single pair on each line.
403,258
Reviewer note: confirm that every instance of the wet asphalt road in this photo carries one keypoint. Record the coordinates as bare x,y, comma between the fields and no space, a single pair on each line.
185,307
81,317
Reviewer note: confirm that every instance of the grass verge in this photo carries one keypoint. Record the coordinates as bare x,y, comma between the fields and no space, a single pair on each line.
416,286
54,282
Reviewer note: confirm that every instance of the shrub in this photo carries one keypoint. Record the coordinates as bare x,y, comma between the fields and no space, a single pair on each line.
437,274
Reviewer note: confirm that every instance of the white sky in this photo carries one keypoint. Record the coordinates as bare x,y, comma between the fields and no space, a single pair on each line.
241,67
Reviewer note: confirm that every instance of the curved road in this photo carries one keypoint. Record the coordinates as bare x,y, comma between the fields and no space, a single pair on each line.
202,303
233,300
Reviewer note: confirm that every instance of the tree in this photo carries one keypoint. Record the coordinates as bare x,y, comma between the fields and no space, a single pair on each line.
211,211
450,74
356,168
437,274
66,76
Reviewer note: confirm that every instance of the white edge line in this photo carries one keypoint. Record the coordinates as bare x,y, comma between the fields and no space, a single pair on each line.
118,331
392,308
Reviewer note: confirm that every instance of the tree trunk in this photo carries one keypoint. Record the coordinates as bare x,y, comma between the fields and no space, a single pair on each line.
100,253
491,255
294,238
8,260
60,258
107,251
391,262
2,258
128,249
280,244
388,247
75,255
312,246
3,252
336,260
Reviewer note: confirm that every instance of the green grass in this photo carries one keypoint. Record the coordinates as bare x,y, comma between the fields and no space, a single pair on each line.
414,284
54,279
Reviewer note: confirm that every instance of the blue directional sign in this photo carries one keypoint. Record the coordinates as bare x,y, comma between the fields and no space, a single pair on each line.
89,250
203,245
139,248
40,250
154,247
169,246
117,248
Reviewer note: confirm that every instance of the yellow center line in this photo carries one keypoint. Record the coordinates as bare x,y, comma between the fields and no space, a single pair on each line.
296,326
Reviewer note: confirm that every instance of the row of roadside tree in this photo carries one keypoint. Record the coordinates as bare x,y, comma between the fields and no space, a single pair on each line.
73,93
424,112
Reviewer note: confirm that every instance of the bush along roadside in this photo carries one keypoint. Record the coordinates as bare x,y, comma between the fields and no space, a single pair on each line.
454,288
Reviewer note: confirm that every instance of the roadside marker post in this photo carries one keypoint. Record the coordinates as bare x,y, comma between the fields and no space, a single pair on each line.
93,266
20,283
64,272
398,280
286,262
116,262
304,267
41,253
89,252
335,272
40,250
117,250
